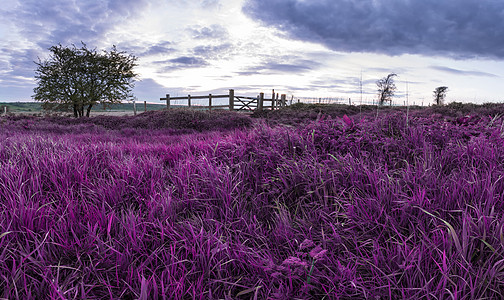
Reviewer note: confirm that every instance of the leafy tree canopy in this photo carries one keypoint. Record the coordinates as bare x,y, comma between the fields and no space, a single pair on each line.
80,78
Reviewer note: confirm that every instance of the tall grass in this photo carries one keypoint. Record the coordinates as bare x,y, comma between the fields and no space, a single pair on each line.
229,208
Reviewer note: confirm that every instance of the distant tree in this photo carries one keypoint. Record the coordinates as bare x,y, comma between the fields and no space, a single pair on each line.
80,78
440,95
386,88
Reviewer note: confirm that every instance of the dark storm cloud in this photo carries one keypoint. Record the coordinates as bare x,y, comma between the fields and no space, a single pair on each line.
41,24
455,28
49,22
180,63
462,72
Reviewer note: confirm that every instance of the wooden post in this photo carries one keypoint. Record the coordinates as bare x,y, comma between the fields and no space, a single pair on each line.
273,102
231,99
210,102
283,100
189,100
167,101
145,106
261,101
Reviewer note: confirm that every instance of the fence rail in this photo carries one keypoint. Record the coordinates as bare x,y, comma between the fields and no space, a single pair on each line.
237,103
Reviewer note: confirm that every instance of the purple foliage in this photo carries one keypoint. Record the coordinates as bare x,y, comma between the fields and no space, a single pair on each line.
341,206
178,120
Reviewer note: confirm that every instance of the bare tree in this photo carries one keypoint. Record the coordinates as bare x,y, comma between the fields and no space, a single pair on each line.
440,94
386,88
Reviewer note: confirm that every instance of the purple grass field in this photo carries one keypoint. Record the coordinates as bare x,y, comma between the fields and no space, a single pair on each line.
301,203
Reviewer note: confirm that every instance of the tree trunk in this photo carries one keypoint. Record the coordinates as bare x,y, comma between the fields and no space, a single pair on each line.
75,111
89,110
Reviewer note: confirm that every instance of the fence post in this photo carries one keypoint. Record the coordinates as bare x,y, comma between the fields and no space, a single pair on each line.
167,101
145,106
231,99
209,102
189,100
261,101
283,100
273,100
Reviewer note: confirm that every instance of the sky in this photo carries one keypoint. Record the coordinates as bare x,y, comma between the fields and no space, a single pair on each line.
302,48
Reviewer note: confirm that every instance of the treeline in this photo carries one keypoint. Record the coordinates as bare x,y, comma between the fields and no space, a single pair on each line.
37,107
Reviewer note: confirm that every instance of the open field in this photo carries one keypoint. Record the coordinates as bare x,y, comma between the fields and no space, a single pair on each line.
123,109
309,202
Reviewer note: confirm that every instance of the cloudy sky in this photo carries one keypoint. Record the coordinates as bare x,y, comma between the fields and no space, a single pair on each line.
304,48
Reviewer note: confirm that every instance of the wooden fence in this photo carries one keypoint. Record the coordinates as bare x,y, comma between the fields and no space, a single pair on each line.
237,103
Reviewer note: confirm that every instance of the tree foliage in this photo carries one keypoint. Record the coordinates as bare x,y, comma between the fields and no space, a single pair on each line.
79,78
440,95
386,89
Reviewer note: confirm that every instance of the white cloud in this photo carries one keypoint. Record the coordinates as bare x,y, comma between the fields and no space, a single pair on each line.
207,46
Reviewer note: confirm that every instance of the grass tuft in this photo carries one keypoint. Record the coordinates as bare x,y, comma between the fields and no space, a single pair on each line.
329,204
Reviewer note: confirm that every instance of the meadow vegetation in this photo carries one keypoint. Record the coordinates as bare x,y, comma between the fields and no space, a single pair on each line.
308,202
